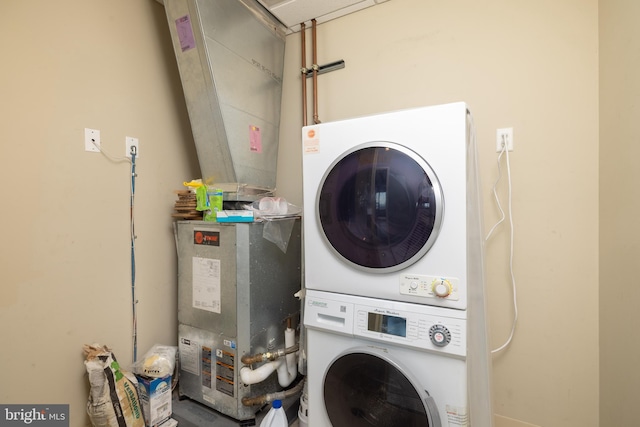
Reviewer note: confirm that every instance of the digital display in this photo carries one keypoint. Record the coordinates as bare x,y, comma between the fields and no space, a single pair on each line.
386,324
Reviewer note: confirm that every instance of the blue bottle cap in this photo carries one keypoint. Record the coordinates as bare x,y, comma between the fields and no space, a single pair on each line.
277,404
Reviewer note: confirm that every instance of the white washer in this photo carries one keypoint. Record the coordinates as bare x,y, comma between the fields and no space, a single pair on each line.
384,363
385,205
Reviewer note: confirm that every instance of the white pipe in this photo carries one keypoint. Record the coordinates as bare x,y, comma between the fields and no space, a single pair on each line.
292,358
253,376
287,368
288,371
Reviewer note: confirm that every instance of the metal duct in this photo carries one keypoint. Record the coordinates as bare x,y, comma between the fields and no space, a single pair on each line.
230,55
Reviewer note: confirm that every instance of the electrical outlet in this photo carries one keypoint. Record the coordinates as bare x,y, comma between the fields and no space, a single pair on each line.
131,144
504,136
91,140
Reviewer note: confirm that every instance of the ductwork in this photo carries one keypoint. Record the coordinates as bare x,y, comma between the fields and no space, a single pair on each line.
230,55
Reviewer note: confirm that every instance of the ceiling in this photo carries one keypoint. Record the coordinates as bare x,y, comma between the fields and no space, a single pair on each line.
293,12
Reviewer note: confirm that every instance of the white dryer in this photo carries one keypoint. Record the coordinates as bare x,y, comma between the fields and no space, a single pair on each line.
385,205
384,363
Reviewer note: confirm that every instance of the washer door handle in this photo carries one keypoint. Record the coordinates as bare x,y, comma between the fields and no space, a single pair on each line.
432,411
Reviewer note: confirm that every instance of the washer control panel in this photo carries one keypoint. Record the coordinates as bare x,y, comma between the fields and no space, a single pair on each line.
430,286
404,324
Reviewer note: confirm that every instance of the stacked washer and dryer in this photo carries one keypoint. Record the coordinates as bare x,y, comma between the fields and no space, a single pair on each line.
394,290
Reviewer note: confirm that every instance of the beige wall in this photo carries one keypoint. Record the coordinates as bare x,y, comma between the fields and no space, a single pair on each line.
619,206
65,253
530,65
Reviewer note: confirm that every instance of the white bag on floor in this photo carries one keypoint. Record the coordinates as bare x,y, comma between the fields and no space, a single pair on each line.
113,397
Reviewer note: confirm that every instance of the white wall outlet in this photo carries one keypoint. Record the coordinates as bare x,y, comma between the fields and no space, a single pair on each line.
504,136
131,146
91,140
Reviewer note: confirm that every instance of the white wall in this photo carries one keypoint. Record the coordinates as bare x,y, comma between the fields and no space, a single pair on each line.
530,65
65,254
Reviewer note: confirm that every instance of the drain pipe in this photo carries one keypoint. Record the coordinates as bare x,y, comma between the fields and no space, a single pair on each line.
286,367
304,71
288,371
314,66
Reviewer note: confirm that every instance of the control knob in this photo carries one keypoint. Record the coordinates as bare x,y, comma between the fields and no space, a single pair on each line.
441,287
440,335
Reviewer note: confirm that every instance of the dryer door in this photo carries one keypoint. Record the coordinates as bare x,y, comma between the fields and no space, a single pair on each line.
380,207
363,389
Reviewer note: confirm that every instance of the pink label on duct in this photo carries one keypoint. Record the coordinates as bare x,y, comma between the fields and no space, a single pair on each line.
185,33
255,140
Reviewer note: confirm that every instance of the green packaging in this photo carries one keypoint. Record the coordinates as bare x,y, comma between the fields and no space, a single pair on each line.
214,196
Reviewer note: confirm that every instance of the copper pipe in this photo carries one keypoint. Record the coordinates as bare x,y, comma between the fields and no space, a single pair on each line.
315,72
270,397
254,401
250,359
303,70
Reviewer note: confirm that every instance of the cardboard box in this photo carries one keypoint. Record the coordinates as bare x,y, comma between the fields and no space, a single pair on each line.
235,216
155,398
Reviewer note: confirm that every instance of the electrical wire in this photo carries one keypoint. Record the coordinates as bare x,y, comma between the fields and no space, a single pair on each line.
109,156
511,234
134,301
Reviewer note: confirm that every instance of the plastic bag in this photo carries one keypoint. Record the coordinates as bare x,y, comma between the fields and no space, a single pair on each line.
158,362
280,218
273,208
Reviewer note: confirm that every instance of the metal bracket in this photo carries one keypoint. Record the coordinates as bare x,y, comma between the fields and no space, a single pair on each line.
321,69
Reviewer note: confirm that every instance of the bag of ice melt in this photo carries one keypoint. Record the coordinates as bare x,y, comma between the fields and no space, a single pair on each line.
113,397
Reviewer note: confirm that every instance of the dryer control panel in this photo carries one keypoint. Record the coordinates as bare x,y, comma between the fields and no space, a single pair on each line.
430,286
397,323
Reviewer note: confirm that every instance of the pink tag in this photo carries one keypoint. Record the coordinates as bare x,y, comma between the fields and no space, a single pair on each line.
255,140
185,33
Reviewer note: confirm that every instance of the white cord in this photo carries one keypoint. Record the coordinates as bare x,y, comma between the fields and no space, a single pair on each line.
110,157
513,279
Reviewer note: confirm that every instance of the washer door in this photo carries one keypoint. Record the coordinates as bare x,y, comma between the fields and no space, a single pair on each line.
363,389
380,207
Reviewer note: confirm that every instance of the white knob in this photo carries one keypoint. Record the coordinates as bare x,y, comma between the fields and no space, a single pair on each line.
442,288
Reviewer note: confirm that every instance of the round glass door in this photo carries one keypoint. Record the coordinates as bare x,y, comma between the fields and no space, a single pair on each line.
380,207
361,389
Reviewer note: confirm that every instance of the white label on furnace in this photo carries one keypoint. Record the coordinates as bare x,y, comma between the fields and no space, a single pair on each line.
206,284
189,356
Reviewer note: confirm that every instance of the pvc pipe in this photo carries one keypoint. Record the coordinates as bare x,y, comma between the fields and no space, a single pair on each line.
286,367
253,376
287,372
